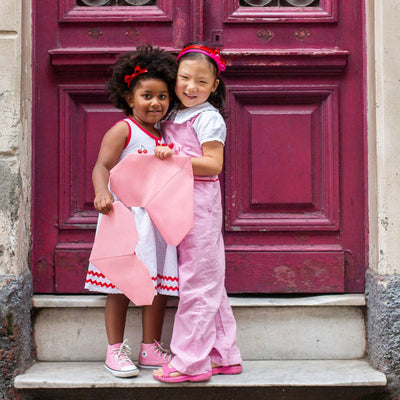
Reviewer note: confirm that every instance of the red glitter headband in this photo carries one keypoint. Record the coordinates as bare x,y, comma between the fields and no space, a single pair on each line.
208,51
137,71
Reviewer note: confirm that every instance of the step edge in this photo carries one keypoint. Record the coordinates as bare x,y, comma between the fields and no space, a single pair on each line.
98,301
145,380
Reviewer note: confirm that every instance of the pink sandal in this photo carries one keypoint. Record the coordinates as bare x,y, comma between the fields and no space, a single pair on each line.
167,378
227,369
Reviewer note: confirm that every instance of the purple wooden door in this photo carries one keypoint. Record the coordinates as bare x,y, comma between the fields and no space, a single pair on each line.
294,179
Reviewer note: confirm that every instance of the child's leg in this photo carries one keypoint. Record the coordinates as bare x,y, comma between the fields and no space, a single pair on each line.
152,354
153,319
117,361
115,317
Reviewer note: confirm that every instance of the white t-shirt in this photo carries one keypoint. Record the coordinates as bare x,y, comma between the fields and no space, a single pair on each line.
209,125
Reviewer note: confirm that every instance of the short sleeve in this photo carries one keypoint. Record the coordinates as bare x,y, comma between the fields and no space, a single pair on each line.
210,126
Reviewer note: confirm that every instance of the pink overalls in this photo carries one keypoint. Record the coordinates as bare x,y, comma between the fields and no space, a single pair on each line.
204,327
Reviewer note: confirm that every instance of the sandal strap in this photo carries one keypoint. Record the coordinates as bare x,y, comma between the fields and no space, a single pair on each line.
167,370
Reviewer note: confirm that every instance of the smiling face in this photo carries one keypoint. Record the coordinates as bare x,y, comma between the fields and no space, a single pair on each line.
149,101
195,81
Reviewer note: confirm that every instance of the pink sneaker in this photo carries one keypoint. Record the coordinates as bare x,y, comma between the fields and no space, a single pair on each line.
153,355
118,363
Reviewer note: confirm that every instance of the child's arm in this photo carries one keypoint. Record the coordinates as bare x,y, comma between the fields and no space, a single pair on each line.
210,129
212,161
111,148
210,164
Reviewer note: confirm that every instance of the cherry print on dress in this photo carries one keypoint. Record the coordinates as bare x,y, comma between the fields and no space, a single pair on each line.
142,150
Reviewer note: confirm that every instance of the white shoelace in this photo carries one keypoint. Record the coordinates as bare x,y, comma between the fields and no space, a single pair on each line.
123,352
161,352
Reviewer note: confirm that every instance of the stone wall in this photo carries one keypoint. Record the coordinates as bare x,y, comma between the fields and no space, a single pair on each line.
16,350
383,294
15,187
383,277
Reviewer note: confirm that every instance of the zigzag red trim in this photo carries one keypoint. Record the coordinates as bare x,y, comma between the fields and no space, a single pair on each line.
98,274
102,284
167,278
159,276
164,287
164,277
110,285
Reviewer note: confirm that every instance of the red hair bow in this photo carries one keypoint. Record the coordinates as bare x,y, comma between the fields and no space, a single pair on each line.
137,71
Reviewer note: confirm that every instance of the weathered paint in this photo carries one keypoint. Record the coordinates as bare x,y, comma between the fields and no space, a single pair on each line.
293,78
285,271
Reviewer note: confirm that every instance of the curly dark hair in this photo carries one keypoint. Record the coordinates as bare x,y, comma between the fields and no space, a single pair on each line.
159,64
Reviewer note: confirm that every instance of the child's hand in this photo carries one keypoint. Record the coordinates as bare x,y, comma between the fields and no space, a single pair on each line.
162,152
103,202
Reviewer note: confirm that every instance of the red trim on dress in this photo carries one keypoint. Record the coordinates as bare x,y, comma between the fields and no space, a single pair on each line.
110,285
128,139
156,139
163,287
98,274
102,284
166,278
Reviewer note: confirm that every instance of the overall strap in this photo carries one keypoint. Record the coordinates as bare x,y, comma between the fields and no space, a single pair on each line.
193,119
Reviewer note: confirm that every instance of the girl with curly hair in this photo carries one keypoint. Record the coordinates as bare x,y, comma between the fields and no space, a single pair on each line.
141,85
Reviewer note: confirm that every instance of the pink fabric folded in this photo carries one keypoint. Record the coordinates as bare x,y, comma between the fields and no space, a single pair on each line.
113,253
163,187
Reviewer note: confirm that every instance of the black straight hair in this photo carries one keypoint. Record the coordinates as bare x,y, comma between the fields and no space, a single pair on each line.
216,98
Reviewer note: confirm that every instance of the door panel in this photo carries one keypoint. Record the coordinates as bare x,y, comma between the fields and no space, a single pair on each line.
75,46
84,112
294,178
292,80
286,271
282,159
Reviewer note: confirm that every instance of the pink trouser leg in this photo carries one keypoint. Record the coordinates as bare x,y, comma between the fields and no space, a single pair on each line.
225,350
204,325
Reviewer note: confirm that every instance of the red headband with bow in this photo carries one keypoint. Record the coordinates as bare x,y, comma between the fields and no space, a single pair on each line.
208,51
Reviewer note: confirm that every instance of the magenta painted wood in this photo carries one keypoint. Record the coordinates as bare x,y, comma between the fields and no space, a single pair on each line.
286,165
286,271
70,268
294,181
326,12
69,12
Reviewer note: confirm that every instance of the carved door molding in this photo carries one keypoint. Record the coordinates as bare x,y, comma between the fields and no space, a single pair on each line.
294,178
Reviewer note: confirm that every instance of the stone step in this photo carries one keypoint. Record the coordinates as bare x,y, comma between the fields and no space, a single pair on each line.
71,328
295,379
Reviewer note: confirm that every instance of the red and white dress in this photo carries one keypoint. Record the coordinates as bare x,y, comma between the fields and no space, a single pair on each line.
159,257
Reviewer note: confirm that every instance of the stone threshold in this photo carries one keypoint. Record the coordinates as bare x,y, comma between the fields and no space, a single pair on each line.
89,300
281,373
